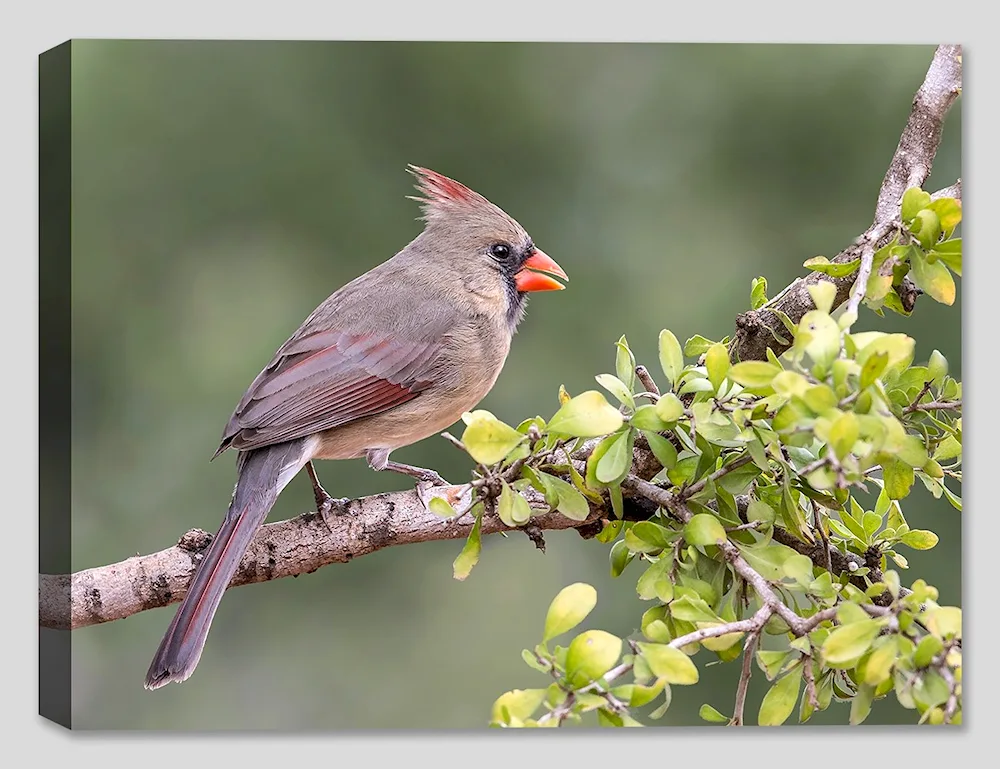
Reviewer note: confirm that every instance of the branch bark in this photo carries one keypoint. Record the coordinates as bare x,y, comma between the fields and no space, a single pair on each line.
758,330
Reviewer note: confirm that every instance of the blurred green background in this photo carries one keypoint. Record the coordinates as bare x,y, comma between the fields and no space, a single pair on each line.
221,190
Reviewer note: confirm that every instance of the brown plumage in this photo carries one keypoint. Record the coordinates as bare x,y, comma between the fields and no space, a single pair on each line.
396,355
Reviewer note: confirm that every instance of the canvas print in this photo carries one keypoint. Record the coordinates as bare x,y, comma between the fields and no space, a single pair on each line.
423,385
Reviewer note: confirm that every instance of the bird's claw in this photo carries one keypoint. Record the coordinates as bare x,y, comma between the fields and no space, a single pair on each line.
330,508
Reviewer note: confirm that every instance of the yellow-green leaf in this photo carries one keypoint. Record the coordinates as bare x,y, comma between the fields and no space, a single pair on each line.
920,539
898,478
440,506
823,295
713,716
669,408
949,212
717,364
847,643
469,556
588,415
754,373
569,608
671,357
779,702
487,439
519,704
704,529
933,278
590,655
833,269
914,200
662,449
617,460
668,663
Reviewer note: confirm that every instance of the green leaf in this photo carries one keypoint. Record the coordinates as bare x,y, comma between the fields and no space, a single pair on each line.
570,502
662,449
767,561
926,227
878,668
844,434
620,557
932,278
440,506
668,663
823,294
914,201
845,644
671,358
588,415
754,373
590,655
512,508
690,609
568,609
717,364
819,336
713,716
624,363
949,252
617,460
657,536
779,702
833,269
646,418
758,293
487,439
898,478
669,408
899,348
861,704
519,704
949,212
944,621
654,582
616,387
704,529
873,368
920,539
937,367
469,556
799,568
696,345
927,649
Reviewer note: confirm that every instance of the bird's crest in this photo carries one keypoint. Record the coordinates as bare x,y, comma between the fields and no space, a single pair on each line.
439,194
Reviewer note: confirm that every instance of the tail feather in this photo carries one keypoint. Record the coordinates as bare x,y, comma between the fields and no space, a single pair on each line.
263,473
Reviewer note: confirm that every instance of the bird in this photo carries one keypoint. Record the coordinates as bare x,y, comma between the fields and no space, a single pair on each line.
392,357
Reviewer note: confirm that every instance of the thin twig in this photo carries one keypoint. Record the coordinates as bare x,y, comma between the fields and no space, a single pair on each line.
642,374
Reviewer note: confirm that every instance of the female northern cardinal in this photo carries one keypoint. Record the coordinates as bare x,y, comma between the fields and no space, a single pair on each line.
393,357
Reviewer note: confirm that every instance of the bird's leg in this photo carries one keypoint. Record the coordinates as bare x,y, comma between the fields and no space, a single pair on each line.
325,504
378,459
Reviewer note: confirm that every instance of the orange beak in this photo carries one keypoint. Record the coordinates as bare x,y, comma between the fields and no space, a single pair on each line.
534,274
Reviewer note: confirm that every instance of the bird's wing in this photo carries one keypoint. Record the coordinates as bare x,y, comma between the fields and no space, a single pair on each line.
327,378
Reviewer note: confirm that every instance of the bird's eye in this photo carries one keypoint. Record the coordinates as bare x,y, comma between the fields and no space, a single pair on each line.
499,250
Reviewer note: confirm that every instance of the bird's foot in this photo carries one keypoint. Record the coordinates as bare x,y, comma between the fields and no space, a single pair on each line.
331,508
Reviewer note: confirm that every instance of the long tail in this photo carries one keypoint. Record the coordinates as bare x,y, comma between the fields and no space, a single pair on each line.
263,473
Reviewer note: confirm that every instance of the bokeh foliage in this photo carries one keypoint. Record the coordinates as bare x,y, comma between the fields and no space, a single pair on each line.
223,189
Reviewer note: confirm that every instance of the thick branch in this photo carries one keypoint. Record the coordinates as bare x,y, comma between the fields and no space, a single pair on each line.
910,166
283,549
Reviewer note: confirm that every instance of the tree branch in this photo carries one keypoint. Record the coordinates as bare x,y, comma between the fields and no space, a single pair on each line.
910,166
283,549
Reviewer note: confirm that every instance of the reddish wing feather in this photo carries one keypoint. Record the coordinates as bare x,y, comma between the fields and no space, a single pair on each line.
323,380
